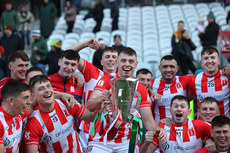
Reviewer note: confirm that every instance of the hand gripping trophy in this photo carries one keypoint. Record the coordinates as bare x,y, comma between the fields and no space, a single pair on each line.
124,106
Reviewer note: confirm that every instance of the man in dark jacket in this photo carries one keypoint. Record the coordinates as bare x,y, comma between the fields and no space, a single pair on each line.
117,43
53,56
46,15
186,46
114,14
209,37
9,16
39,51
10,42
98,15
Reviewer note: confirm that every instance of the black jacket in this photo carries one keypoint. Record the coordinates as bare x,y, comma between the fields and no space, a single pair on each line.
97,59
186,46
209,37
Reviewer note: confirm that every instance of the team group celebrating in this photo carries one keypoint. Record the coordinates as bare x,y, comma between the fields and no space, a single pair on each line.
43,113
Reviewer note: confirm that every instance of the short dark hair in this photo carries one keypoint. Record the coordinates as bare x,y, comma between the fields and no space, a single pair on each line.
180,22
209,50
180,97
220,121
209,100
36,79
116,36
18,54
13,88
32,69
143,71
168,58
8,2
109,49
70,54
128,51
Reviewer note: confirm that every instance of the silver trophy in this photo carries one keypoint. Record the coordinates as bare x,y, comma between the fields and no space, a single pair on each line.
123,91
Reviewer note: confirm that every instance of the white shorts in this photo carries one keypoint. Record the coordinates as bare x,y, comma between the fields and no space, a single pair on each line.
83,139
99,147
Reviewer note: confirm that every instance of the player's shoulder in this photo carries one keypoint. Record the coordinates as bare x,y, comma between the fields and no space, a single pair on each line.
200,123
4,81
52,76
202,150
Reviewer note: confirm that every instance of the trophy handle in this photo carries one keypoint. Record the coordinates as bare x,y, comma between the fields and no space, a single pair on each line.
138,100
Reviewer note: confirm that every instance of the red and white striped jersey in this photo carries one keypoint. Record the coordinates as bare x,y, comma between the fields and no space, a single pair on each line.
205,150
216,86
167,91
91,76
62,84
54,131
186,138
123,133
11,130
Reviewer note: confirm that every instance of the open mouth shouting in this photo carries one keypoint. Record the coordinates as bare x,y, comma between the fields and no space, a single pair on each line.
179,116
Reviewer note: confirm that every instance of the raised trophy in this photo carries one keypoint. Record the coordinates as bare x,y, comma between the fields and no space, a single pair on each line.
123,91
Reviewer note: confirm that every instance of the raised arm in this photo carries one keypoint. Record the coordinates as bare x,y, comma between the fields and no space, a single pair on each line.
1,147
95,100
92,43
88,115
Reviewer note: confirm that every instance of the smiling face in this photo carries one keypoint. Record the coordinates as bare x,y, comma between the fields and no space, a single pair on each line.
67,67
43,93
210,63
21,103
109,61
18,69
180,111
221,136
208,111
127,65
145,79
168,69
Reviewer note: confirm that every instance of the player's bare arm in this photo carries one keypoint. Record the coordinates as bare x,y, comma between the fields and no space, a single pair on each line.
31,149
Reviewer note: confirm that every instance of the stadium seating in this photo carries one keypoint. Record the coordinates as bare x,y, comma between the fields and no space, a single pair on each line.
147,29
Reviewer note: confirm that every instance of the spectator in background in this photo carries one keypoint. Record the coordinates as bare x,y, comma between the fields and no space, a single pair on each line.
114,14
70,15
117,43
175,41
25,19
98,14
186,46
46,15
9,16
209,37
10,42
98,54
39,50
53,56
